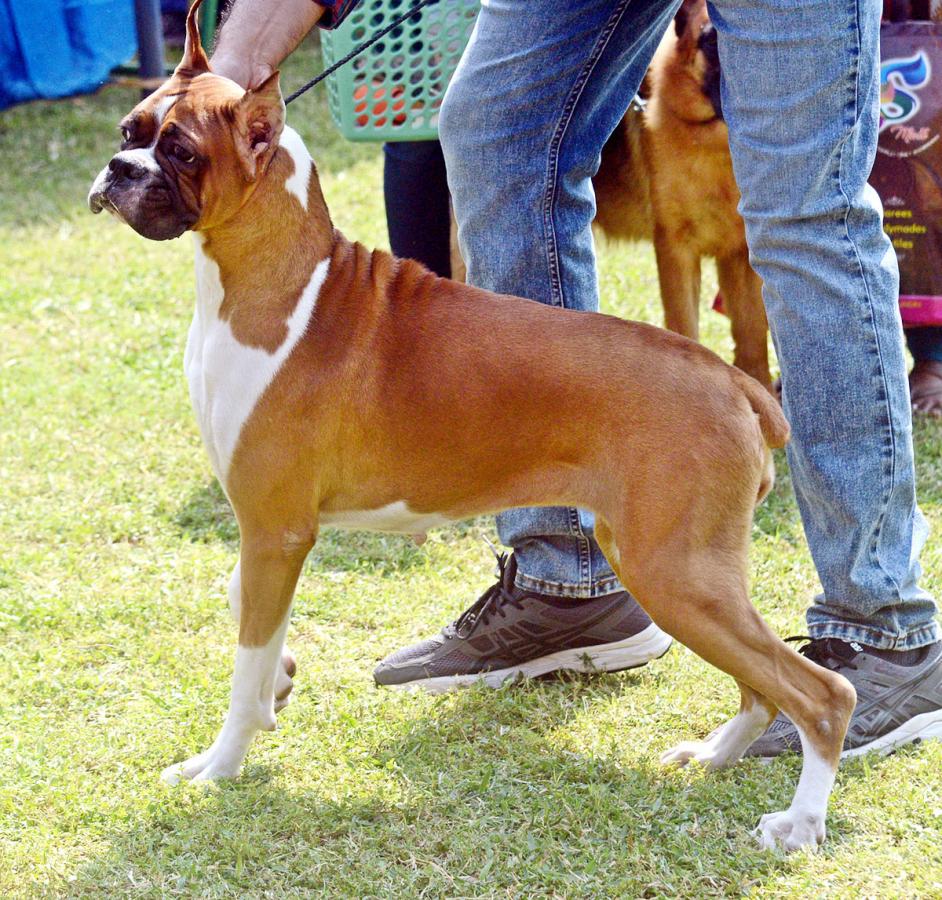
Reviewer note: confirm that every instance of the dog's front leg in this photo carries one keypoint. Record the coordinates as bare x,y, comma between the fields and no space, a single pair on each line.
263,584
284,680
678,272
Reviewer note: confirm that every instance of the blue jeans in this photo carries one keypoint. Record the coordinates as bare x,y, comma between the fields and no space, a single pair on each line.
539,89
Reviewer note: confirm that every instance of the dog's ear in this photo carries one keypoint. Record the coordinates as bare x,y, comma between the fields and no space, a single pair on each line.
194,57
680,20
258,117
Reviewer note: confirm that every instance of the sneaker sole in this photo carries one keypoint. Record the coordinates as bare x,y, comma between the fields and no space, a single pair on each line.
926,726
652,643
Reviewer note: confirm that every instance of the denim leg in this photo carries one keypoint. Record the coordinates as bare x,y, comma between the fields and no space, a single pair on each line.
800,93
539,89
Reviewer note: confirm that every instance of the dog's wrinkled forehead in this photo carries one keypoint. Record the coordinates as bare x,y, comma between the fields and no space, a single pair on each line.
199,109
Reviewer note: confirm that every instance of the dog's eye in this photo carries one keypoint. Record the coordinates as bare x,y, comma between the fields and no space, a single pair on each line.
125,133
181,153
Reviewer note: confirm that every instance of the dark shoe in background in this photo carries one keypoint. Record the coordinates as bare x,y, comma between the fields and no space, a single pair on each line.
510,633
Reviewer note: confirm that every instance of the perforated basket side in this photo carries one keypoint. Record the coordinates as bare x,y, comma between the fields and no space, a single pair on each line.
393,91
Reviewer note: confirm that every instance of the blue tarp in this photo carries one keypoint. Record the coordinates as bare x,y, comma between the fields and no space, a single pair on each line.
54,48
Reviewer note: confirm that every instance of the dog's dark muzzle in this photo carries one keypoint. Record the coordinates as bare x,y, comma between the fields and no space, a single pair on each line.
134,189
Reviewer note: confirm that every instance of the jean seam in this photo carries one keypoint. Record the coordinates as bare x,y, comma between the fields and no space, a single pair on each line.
602,588
872,636
552,160
584,546
890,449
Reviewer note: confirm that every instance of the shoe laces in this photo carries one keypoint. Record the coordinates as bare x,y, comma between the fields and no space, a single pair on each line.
830,653
493,601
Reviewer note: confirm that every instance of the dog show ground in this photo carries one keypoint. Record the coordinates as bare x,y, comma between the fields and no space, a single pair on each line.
116,644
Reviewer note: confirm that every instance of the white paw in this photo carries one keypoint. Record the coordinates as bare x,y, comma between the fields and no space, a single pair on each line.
708,753
790,830
224,758
211,765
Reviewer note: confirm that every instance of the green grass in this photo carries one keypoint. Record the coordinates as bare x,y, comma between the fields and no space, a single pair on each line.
116,645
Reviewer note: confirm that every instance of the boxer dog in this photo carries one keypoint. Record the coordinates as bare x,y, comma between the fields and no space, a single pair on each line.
341,387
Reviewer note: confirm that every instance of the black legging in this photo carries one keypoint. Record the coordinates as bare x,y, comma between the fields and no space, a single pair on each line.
416,194
925,343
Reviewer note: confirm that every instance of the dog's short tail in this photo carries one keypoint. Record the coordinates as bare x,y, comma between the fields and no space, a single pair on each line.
772,422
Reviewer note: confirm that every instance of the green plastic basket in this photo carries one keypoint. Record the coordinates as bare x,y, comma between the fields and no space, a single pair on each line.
393,90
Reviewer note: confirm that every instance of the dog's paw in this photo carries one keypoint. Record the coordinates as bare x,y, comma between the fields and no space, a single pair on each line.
708,753
700,752
211,765
284,680
790,830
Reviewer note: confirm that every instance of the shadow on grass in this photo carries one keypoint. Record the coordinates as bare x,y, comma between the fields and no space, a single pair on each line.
206,516
473,798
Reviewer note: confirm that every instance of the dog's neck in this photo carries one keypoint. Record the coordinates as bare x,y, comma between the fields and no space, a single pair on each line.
268,250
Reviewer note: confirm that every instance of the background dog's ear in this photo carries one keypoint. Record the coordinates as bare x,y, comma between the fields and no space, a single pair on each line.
680,20
259,120
194,57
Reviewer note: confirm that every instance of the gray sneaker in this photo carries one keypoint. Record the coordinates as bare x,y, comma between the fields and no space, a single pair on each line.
896,704
509,633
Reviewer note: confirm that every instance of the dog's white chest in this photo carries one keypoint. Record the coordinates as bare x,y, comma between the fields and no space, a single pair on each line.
396,518
227,378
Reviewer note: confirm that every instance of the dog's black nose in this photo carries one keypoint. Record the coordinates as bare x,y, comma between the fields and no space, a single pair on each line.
123,166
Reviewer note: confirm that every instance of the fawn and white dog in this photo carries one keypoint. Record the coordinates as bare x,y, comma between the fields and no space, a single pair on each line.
338,386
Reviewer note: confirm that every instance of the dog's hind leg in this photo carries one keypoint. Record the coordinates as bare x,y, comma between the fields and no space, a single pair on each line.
692,582
266,577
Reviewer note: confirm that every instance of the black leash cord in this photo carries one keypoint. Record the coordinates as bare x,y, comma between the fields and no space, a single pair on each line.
356,51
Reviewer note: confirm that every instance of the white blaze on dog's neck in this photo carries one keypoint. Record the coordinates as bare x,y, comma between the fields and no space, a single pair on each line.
227,378
298,181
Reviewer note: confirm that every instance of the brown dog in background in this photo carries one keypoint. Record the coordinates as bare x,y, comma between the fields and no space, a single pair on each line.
666,176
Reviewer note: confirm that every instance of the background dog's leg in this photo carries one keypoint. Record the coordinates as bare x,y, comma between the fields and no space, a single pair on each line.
284,680
264,581
678,271
742,293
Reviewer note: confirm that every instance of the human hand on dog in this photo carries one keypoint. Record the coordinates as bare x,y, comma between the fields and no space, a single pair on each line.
257,37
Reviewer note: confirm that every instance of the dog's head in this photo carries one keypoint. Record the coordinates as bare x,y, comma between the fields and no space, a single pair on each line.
192,151
696,50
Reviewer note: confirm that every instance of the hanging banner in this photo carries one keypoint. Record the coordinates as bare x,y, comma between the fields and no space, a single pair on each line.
907,173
